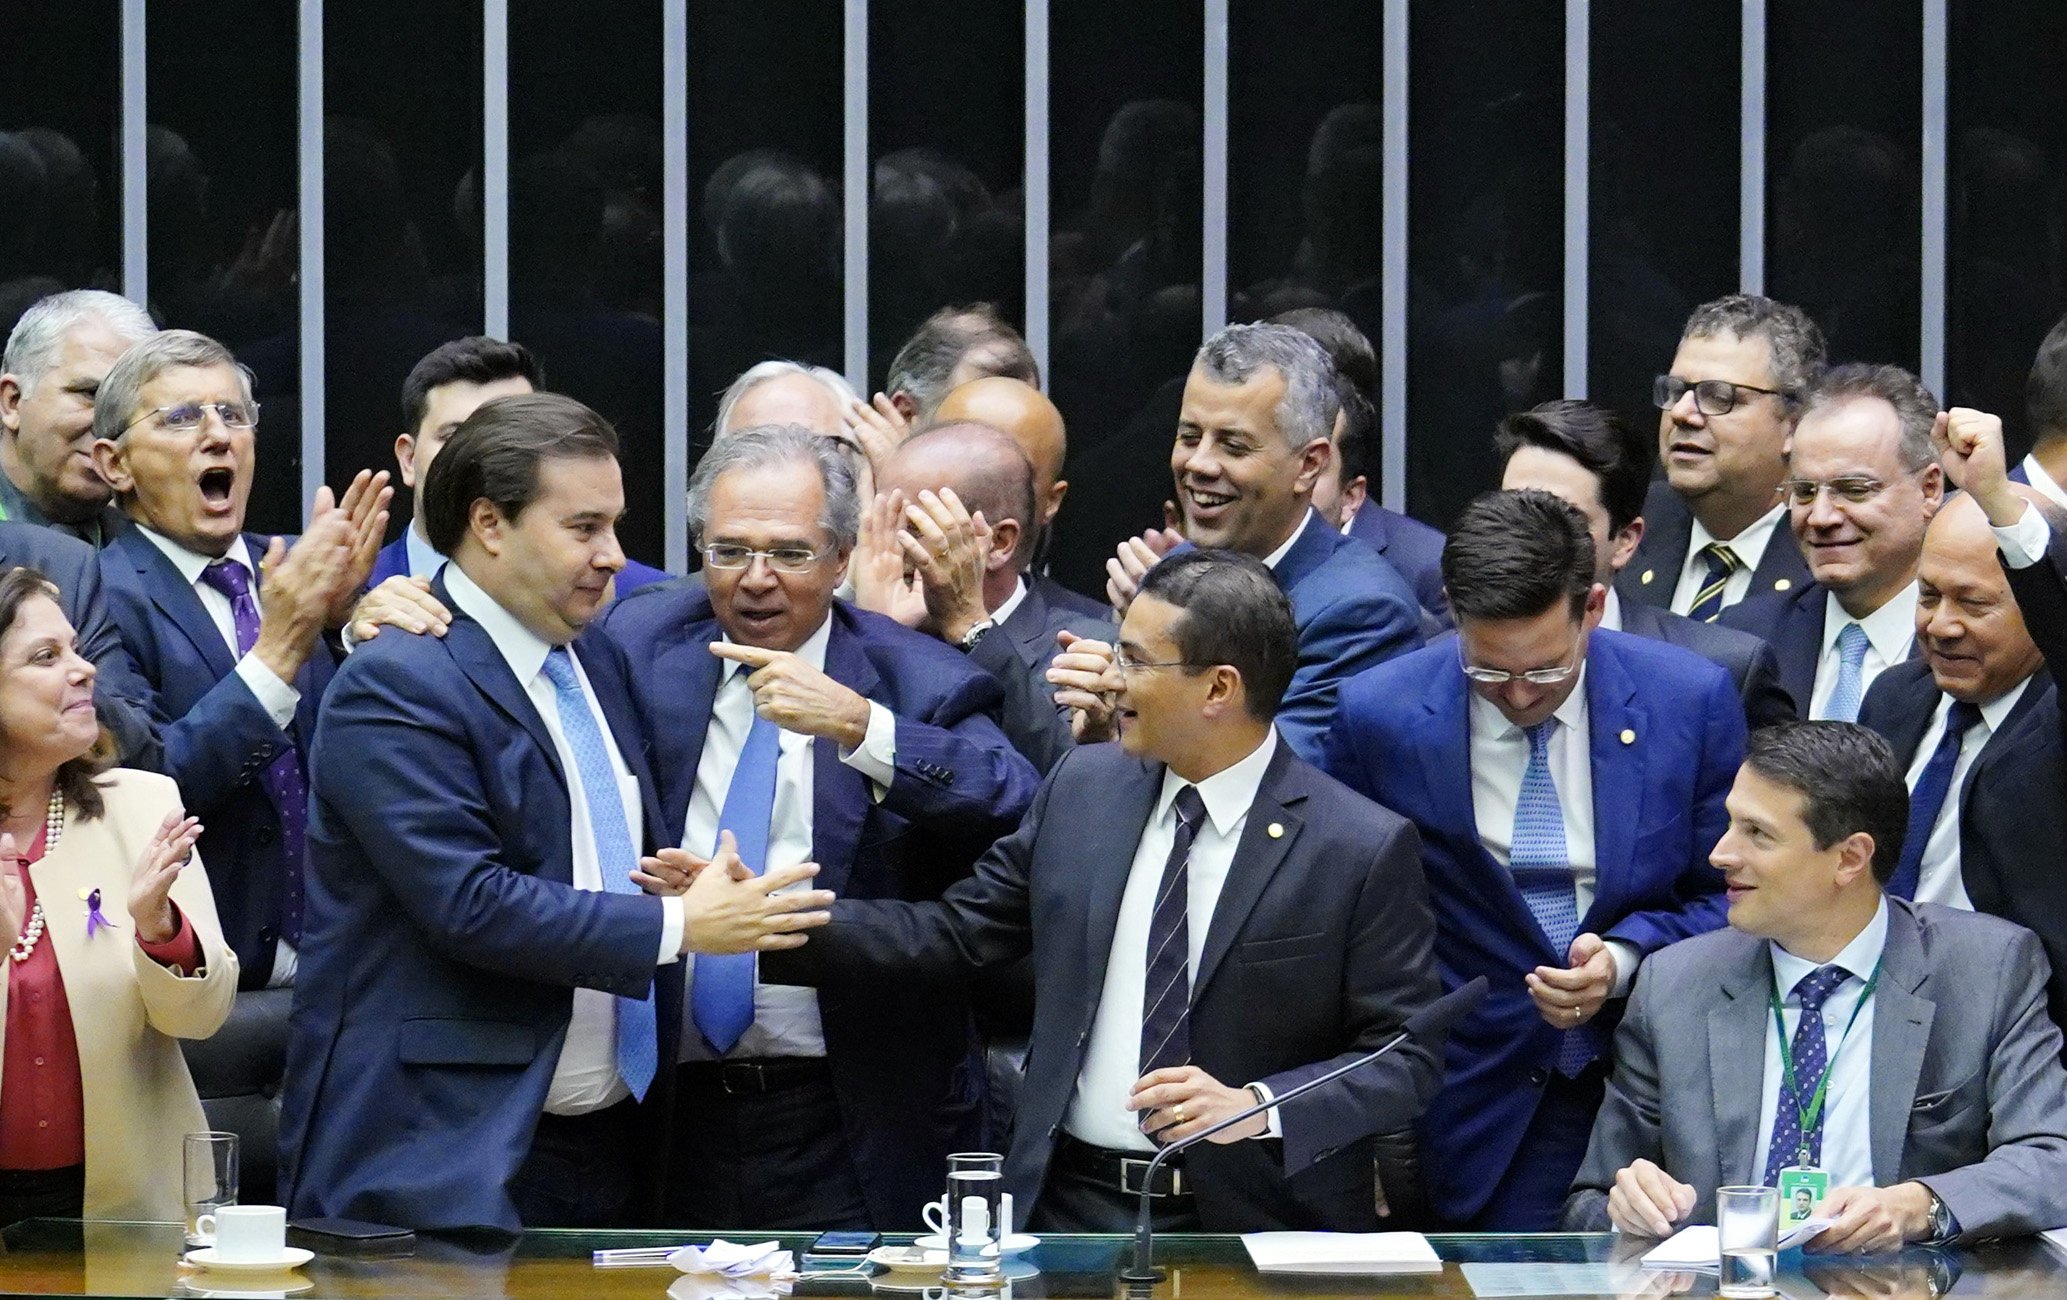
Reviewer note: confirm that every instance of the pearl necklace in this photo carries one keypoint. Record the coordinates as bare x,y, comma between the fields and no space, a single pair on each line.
53,828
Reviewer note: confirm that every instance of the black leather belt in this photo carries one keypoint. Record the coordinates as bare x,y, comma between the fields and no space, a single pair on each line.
1122,1170
756,1078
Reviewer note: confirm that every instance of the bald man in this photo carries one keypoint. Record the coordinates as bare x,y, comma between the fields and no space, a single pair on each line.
1017,408
982,602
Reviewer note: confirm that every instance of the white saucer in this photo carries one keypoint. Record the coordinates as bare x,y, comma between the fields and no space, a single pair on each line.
289,1257
263,1292
1014,1243
902,1259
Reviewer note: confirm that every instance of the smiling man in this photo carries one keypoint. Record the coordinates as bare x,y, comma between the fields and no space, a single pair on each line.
1862,484
811,730
225,626
1893,1057
1567,783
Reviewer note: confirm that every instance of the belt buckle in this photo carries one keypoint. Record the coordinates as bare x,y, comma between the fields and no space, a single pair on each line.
1134,1174
745,1070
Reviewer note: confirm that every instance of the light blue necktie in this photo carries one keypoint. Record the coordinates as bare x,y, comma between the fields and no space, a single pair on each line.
721,1001
1843,705
638,1043
1542,866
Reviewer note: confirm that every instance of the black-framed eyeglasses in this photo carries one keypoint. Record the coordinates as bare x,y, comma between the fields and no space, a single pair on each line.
189,416
1711,396
782,559
1854,489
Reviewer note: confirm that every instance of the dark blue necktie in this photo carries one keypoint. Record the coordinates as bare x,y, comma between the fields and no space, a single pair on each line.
721,1001
1166,992
1721,562
1810,1058
1933,784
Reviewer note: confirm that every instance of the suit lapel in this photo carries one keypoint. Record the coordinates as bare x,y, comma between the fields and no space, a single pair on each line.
1901,1031
1911,729
1663,552
1312,550
622,717
1444,749
1110,842
1798,644
471,648
1028,628
177,600
1736,1072
685,676
1267,836
840,796
1618,736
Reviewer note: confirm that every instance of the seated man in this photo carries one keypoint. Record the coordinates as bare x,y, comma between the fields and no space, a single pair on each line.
1922,1027
1300,938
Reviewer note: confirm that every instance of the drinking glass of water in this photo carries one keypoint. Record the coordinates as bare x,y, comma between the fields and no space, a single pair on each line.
1747,1222
974,1180
209,1167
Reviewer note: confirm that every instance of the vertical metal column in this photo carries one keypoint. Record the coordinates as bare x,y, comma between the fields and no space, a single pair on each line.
1577,89
495,168
1035,184
1392,331
1936,153
1213,184
136,284
309,128
855,191
674,254
1751,152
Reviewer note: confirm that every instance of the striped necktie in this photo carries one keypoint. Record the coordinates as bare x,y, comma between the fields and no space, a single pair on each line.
1541,861
1722,562
1166,992
1850,690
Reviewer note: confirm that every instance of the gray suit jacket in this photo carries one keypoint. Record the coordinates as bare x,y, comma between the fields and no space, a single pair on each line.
1017,654
1969,1096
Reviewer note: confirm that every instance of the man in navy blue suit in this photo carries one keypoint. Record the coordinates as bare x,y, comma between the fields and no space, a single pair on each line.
476,1031
1568,784
814,731
1252,440
226,627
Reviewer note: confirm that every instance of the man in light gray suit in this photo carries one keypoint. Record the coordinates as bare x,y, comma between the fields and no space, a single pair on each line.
1945,1115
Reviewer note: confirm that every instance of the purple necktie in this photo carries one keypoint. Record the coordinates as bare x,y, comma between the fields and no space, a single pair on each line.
283,778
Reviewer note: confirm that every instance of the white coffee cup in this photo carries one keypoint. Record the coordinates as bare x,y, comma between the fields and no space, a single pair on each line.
935,1214
246,1234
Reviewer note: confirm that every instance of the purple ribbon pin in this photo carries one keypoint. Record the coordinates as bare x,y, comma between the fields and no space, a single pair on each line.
95,919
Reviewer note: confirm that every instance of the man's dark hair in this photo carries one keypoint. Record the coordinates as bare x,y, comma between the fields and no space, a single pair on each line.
495,453
476,360
1349,348
1359,434
2045,392
1848,779
1596,437
924,365
1235,614
1516,554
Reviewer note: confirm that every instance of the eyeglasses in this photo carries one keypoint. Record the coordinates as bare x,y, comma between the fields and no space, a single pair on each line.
1127,664
188,416
1534,676
1711,396
782,559
1804,491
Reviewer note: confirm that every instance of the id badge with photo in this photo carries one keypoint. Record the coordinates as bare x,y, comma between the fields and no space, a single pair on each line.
1802,1189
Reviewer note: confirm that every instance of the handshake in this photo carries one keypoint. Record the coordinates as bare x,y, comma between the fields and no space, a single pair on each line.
727,908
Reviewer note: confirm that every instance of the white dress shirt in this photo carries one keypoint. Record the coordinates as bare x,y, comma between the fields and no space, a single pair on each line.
1890,636
1011,603
586,1078
2046,484
1611,611
279,699
1098,1111
424,558
1847,1104
1939,879
1750,547
1499,758
786,1020
1276,557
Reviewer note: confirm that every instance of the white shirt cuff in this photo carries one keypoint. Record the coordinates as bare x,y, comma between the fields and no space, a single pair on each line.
877,757
1626,959
276,697
1273,1128
671,921
2023,543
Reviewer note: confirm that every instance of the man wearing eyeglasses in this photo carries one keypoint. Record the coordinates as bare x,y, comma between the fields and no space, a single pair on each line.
1726,409
1862,484
227,627
812,730
1567,783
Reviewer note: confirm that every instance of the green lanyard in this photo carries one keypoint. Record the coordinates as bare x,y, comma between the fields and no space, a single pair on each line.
1809,1114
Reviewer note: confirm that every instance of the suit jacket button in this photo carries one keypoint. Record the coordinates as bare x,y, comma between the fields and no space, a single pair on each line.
1054,1129
1324,1153
1539,1077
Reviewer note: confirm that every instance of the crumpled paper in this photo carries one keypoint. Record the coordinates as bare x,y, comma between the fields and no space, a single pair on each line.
730,1260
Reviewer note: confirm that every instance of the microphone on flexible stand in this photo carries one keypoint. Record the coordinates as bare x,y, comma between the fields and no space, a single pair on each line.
1437,1015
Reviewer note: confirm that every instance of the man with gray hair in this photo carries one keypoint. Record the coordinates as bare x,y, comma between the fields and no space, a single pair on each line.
952,347
808,729
785,392
57,356
1863,482
227,626
1253,438
1725,411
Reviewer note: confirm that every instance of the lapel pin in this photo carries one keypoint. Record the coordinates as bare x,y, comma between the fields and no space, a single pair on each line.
95,919
1782,584
1648,575
1276,830
1628,736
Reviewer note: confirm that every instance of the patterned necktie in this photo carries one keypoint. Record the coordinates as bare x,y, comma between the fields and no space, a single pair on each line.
638,1042
1542,865
1933,784
282,778
1166,992
721,1001
1721,562
1845,696
1810,1056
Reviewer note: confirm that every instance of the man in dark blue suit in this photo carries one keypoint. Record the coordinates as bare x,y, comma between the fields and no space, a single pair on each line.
1568,784
476,1029
1587,455
1252,440
120,696
234,682
813,731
